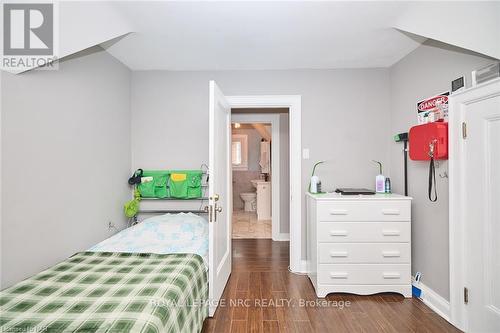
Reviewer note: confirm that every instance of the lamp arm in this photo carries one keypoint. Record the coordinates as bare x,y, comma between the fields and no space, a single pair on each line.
315,165
314,170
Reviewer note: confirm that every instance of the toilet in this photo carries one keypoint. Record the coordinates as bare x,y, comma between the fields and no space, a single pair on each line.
250,200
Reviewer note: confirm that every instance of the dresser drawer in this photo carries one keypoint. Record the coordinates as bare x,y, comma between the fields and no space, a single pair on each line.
364,232
375,210
337,253
372,274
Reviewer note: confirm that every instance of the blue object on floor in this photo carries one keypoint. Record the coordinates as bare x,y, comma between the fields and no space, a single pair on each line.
416,292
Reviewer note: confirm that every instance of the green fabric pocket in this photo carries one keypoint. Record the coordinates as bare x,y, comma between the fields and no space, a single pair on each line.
178,185
156,188
160,184
194,185
185,184
147,190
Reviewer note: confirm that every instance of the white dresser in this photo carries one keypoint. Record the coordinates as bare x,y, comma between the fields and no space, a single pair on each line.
359,244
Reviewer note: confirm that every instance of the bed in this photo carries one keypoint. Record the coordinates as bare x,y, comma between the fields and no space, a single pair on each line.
151,277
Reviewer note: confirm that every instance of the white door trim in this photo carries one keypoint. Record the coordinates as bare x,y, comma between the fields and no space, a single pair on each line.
294,105
458,313
274,120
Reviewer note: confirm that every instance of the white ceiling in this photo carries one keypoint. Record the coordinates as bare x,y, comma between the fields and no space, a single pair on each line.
261,35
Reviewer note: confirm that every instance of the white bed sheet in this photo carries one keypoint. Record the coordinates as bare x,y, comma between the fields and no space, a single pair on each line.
169,233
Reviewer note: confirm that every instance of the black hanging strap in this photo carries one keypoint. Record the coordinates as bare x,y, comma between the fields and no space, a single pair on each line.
432,181
432,173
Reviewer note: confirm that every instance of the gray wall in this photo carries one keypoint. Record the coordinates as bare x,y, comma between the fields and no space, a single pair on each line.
74,124
65,160
1,182
426,71
344,118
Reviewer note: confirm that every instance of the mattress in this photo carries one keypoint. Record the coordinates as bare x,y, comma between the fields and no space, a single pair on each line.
110,292
169,233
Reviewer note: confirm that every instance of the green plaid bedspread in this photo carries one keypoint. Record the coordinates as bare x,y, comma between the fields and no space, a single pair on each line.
110,292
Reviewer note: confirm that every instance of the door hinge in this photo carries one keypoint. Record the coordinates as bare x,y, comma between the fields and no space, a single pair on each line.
464,130
210,213
466,295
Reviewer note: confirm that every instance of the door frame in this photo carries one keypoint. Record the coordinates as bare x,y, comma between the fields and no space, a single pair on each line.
457,202
294,105
274,120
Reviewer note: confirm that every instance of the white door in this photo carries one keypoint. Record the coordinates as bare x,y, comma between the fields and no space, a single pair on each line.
482,218
220,204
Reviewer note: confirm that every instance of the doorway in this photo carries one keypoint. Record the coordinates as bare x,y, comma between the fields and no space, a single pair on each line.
260,175
296,199
220,202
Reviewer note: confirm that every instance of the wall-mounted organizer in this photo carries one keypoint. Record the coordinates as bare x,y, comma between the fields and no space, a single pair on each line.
173,184
172,188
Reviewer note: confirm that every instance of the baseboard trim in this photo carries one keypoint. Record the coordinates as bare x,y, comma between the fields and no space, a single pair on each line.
282,237
435,301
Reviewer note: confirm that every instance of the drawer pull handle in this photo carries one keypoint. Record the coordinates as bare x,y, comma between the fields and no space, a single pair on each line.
340,275
338,254
391,212
391,254
338,233
392,275
391,232
339,212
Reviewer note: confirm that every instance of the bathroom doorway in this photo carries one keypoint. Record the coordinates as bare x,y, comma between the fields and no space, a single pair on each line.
260,172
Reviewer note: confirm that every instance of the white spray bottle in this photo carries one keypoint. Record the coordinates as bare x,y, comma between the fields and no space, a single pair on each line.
379,180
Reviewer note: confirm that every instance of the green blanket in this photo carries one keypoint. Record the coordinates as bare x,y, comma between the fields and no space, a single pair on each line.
110,292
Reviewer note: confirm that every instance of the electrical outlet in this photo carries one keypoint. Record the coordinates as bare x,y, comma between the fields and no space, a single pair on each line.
305,153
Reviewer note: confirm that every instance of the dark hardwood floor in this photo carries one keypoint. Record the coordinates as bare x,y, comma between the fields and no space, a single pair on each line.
260,287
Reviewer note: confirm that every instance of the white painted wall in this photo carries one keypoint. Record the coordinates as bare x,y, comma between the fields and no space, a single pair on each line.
65,160
84,24
472,25
426,71
344,118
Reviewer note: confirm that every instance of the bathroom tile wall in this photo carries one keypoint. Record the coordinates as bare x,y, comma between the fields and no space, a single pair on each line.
241,179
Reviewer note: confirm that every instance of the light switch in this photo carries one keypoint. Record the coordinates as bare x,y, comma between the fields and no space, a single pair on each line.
305,153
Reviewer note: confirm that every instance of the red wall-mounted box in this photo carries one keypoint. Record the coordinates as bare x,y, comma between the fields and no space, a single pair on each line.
420,138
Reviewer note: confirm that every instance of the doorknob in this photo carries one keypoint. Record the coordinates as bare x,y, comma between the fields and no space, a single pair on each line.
215,197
